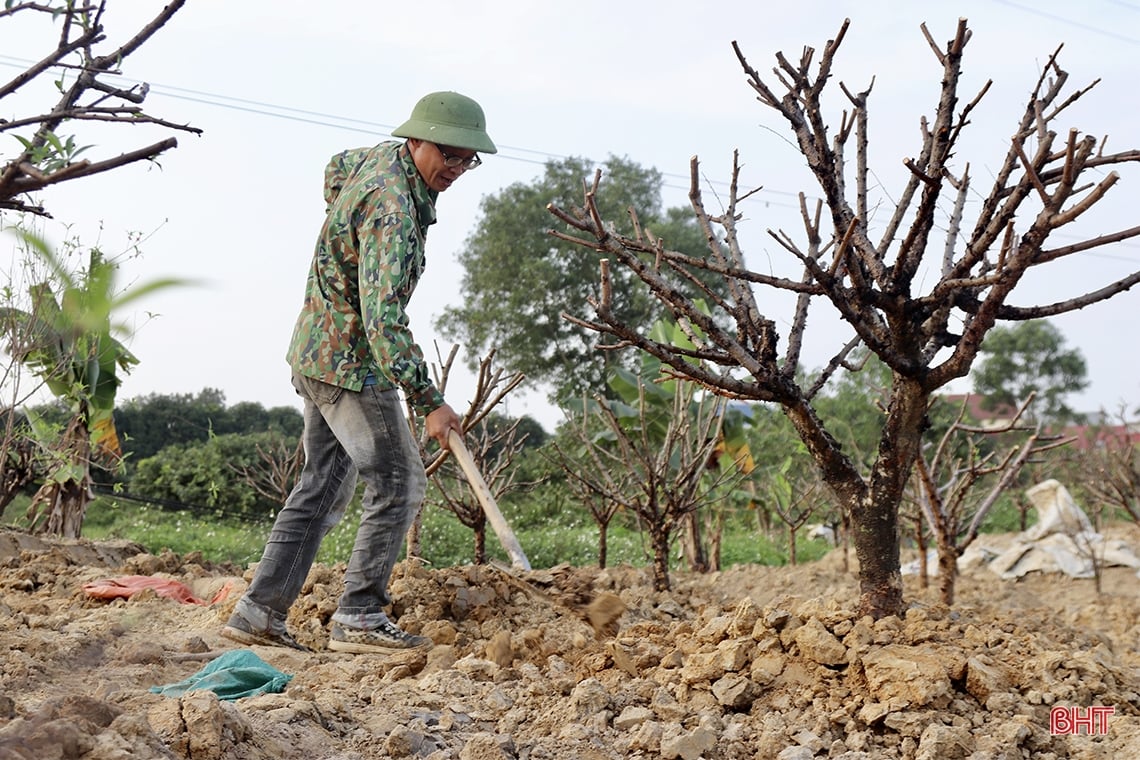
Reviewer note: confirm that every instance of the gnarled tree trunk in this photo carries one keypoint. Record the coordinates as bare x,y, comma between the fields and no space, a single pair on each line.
59,506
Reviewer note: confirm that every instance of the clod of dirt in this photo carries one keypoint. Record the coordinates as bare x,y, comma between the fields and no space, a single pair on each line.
603,614
499,649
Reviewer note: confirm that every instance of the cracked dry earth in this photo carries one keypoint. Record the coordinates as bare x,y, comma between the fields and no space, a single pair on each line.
752,662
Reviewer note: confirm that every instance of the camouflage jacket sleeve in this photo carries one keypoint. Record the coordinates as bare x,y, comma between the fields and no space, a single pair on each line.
391,262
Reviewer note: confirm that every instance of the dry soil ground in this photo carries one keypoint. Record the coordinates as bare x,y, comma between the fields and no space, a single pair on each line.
753,662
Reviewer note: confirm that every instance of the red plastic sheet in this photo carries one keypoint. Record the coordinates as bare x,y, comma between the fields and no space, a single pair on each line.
128,585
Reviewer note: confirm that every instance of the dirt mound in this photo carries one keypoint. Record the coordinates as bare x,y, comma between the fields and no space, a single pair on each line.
752,662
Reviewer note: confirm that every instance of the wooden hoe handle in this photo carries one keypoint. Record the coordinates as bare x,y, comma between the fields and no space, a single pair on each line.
487,500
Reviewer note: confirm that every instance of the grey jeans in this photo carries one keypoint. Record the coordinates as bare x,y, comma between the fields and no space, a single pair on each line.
346,433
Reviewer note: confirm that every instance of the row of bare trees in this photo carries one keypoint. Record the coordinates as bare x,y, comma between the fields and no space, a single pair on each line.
948,479
493,447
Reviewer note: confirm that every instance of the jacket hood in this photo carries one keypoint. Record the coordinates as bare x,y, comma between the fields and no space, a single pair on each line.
340,169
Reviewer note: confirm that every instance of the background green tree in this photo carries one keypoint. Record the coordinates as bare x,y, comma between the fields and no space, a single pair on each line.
518,280
152,422
185,450
209,475
1030,357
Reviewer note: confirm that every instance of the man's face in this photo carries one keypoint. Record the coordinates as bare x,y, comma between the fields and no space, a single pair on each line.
431,160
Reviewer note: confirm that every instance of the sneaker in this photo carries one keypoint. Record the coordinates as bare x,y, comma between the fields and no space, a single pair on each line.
238,629
386,638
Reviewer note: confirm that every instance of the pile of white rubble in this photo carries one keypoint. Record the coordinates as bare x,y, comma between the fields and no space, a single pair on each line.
1061,541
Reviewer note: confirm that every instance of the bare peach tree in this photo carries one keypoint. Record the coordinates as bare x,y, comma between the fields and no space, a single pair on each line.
493,450
922,307
948,479
794,504
80,72
593,493
654,466
1109,469
276,470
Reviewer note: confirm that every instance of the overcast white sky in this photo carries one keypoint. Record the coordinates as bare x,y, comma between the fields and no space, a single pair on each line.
280,85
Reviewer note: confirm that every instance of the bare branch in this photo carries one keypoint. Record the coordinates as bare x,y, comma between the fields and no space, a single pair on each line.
49,158
31,183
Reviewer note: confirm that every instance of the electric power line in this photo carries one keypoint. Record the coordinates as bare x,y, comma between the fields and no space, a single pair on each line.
1072,23
385,130
318,118
173,505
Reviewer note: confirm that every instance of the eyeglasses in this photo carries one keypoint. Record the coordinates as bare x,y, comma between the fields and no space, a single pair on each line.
453,161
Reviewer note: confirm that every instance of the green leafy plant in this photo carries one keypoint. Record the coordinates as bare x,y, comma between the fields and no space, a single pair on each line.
66,338
53,153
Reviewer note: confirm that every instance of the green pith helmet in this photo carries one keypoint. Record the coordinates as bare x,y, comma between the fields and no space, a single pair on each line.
448,118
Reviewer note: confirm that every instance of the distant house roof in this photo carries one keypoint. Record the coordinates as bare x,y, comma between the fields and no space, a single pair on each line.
1085,437
999,415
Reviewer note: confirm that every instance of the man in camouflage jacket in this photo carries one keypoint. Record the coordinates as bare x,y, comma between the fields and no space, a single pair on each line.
352,354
